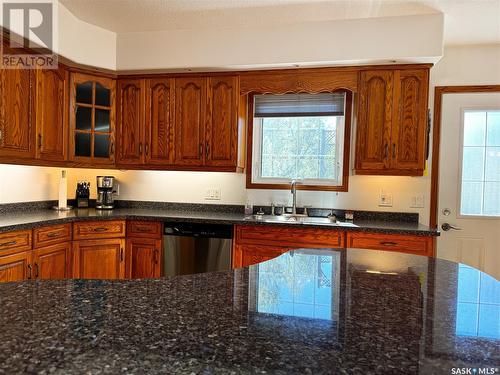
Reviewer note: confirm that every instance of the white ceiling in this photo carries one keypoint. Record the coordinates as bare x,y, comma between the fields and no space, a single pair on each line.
466,21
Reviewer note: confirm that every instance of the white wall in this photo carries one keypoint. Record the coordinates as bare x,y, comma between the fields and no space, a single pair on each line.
405,39
85,43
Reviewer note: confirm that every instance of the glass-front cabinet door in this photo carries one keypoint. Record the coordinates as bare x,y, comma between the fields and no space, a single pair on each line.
92,137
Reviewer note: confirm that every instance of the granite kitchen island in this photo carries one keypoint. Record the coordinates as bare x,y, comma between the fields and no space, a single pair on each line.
306,312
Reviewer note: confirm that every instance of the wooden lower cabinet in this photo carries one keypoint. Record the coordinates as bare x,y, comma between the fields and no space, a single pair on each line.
16,267
99,259
52,262
247,255
143,258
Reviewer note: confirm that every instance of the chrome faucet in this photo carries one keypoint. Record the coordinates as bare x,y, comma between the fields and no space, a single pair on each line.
293,188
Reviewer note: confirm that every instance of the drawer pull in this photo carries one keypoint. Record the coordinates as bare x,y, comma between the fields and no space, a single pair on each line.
388,243
143,229
100,229
53,234
10,243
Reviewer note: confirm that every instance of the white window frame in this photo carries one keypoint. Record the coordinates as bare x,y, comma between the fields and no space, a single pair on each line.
461,159
257,159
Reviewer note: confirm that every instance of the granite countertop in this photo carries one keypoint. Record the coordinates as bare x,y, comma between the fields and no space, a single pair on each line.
42,217
307,312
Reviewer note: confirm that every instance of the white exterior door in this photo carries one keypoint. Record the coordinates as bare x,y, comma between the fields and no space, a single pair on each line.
469,181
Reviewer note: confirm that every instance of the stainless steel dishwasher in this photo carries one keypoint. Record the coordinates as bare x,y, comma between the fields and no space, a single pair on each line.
195,248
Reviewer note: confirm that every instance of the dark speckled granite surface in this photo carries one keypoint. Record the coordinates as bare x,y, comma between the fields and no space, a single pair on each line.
306,312
40,217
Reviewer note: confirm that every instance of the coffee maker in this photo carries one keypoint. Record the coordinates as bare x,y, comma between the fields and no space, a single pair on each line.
105,193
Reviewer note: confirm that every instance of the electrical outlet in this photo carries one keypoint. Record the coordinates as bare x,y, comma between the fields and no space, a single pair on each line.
385,199
417,201
212,194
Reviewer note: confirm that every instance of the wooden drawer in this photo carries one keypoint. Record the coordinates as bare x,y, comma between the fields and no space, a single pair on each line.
420,245
15,242
144,229
51,235
285,236
98,229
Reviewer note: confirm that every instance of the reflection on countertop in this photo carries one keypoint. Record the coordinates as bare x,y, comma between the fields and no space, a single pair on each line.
307,311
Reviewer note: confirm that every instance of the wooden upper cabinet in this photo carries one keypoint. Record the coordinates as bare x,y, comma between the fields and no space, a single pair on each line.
190,111
17,130
130,118
160,115
52,113
409,130
222,121
374,120
392,122
92,120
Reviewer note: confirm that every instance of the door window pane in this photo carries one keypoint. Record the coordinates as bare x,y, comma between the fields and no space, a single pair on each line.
473,164
82,144
471,198
492,168
102,120
493,133
84,118
84,93
101,146
102,95
480,192
474,128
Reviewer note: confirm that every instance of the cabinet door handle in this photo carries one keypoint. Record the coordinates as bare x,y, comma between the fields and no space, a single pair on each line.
207,149
36,270
386,152
100,229
9,243
156,256
201,149
140,148
29,271
112,148
147,149
121,254
388,243
394,150
39,140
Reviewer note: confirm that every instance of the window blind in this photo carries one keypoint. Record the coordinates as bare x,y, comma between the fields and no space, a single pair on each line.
294,105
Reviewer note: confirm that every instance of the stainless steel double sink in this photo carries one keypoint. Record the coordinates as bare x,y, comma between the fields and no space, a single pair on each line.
299,219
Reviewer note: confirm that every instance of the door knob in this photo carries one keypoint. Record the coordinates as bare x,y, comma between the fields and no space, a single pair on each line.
446,227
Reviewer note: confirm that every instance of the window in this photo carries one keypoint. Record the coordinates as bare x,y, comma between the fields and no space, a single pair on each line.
480,180
302,137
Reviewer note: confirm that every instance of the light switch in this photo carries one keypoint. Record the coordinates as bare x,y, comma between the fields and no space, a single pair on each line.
385,199
417,201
